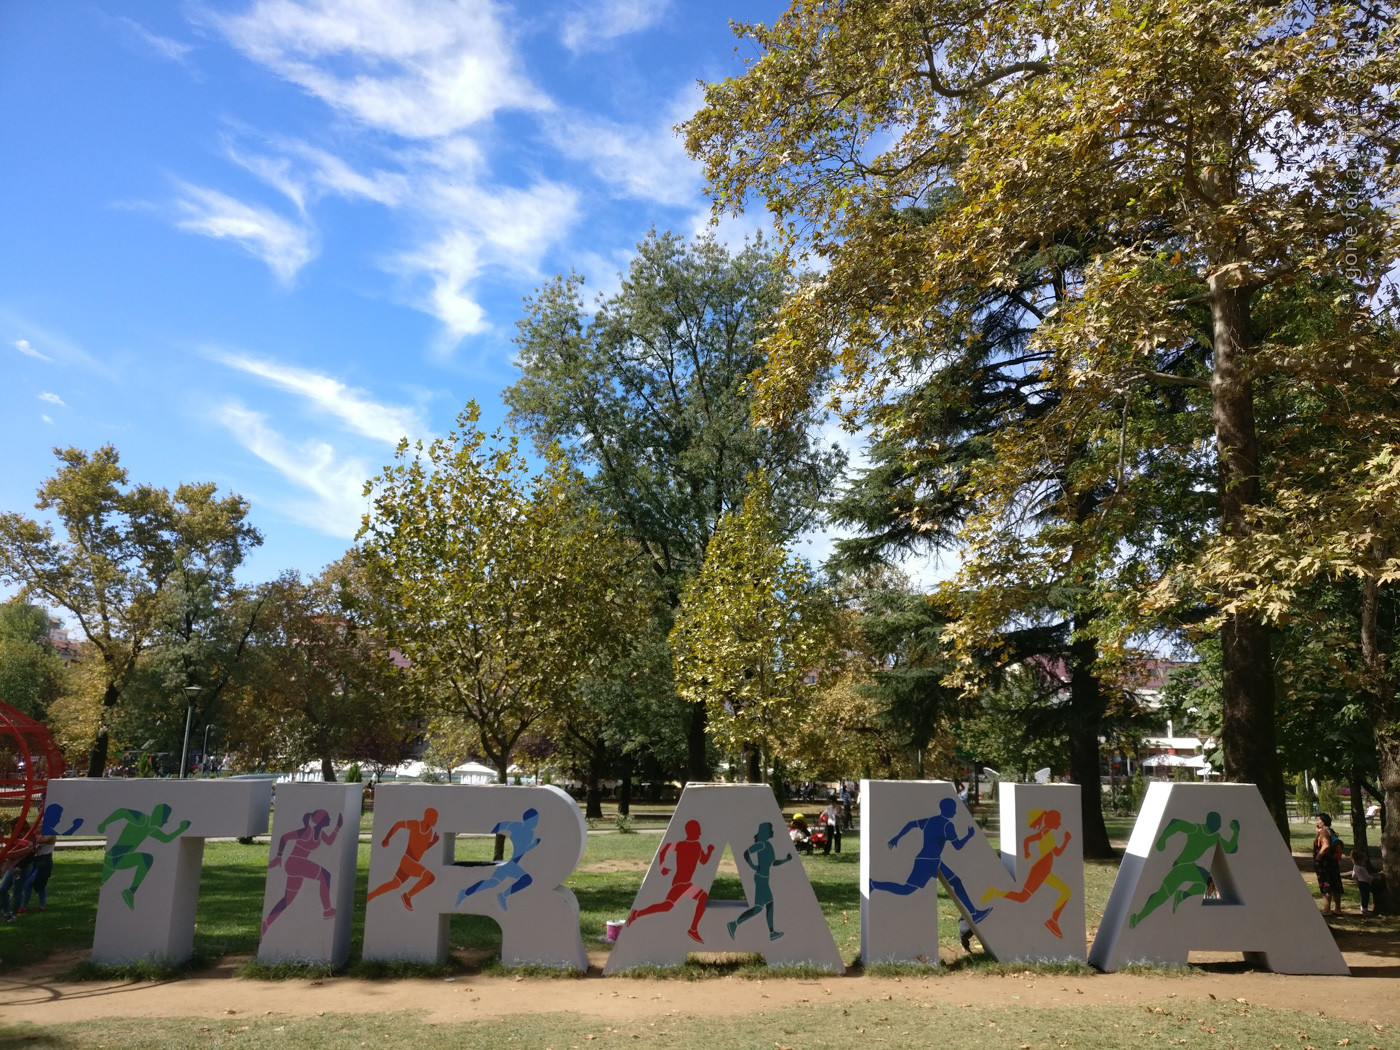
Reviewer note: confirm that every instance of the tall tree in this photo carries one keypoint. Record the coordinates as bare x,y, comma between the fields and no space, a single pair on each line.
32,674
752,633
320,682
502,589
1233,148
651,394
124,545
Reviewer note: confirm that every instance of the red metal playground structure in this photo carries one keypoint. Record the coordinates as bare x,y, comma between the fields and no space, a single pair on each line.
28,758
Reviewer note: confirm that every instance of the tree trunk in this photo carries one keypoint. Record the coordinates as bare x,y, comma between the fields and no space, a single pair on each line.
97,757
1247,689
597,767
697,766
1382,707
327,769
1359,839
1086,702
1388,752
624,789
752,763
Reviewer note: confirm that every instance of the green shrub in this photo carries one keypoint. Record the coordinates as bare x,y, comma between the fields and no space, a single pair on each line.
352,775
1329,798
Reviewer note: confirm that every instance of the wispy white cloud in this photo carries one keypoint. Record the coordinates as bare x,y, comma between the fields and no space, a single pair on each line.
496,226
361,414
643,163
22,345
416,68
304,174
285,246
335,482
46,418
163,46
600,24
52,399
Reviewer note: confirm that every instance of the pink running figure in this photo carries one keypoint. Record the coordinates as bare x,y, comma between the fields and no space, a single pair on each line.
299,866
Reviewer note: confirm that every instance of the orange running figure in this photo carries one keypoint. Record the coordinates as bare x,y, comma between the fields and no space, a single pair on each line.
1043,823
689,855
421,838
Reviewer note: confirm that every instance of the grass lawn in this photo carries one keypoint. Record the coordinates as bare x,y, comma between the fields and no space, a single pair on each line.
895,1023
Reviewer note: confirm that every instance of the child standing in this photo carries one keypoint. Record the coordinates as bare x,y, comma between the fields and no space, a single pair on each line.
1361,872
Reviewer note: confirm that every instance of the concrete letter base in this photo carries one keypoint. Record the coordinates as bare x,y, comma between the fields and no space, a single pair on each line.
1187,837
674,902
155,845
309,900
414,887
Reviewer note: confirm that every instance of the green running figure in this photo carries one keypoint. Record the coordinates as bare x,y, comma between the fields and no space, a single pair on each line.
139,827
760,857
1188,878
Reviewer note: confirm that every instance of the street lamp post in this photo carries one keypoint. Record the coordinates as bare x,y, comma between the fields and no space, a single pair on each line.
204,755
191,691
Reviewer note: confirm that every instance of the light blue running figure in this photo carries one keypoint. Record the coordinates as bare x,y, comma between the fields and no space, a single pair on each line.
519,831
938,831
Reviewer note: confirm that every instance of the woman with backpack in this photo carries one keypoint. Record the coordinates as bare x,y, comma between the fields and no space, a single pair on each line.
1327,854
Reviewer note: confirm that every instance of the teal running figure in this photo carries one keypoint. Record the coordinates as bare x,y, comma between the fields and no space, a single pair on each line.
519,831
938,831
761,858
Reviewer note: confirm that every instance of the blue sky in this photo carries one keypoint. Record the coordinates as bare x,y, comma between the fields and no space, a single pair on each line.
256,242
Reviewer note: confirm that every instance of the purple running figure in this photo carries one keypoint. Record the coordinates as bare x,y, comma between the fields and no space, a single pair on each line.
299,865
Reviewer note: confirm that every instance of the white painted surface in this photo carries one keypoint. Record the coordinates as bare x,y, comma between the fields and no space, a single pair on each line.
732,816
150,891
1158,911
311,872
414,887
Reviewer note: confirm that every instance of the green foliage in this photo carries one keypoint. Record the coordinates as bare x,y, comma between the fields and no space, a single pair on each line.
126,549
502,590
1302,797
319,680
652,394
352,774
32,674
1170,280
752,627
1329,800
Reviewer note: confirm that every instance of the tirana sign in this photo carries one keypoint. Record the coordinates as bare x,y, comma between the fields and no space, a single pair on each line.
1205,869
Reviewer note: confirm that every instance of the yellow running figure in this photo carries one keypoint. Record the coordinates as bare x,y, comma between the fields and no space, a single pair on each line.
1042,823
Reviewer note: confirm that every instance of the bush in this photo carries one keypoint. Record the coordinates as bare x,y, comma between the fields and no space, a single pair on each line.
1329,799
352,775
1302,797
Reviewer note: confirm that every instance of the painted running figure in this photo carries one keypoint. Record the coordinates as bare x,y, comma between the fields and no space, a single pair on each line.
928,865
1188,878
519,831
761,859
1043,823
689,855
421,838
139,828
299,866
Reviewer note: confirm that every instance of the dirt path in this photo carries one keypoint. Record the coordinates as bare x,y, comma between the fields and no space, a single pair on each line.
1370,995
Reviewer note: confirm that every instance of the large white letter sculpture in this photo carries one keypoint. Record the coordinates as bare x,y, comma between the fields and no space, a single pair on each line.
1206,870
915,834
673,914
1042,846
310,892
414,887
155,845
